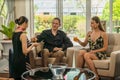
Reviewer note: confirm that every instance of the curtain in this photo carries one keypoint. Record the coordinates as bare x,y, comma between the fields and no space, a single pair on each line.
11,10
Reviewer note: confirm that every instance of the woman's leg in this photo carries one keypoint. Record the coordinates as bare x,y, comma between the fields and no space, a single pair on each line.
89,57
80,58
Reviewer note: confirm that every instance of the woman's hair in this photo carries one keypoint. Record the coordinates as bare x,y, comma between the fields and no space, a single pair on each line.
21,20
97,20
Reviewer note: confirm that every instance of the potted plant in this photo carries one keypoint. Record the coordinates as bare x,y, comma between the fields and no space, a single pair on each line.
7,30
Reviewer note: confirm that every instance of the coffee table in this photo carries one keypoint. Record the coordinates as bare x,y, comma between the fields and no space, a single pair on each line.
44,73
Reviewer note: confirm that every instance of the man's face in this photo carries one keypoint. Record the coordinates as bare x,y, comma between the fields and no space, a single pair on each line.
55,24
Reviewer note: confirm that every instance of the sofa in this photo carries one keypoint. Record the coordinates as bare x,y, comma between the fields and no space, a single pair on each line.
110,66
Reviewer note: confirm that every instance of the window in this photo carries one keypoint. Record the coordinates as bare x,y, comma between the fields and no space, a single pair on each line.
3,8
73,14
98,7
44,12
74,17
76,14
116,16
3,14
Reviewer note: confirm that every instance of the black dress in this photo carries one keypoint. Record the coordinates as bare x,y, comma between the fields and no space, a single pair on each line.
19,59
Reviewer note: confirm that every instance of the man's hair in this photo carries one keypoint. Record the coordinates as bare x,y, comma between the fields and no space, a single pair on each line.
56,18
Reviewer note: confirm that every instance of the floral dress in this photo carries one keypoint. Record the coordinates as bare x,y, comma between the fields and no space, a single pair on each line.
97,45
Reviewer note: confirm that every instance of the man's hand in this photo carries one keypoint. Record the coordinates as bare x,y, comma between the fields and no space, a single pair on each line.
34,39
57,49
35,44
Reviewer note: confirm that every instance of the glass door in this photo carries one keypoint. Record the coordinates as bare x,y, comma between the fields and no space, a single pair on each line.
44,12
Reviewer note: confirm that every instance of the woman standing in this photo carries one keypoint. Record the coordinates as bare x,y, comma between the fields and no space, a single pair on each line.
98,43
20,47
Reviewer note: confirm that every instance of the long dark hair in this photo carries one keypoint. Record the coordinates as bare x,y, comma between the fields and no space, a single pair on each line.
97,20
21,20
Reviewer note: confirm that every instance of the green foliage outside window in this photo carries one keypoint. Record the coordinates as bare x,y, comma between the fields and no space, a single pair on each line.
116,11
70,24
42,22
3,8
115,15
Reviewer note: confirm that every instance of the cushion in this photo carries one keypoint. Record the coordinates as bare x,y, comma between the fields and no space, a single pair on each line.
102,64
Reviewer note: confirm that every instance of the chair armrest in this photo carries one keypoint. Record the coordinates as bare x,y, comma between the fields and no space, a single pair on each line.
115,62
33,53
32,57
39,47
69,55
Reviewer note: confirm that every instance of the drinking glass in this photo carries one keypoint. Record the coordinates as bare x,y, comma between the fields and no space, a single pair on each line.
75,39
58,70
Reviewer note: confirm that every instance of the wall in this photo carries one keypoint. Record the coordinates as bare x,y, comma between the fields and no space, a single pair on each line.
19,8
23,8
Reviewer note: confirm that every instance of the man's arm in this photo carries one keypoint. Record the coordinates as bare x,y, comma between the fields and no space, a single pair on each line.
39,37
67,43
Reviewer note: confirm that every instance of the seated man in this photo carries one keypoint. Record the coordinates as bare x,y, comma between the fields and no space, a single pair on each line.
55,42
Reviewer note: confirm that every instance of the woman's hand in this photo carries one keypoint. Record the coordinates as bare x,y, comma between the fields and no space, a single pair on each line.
35,44
57,49
92,51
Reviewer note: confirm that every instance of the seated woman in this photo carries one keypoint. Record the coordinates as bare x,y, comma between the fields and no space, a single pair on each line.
98,43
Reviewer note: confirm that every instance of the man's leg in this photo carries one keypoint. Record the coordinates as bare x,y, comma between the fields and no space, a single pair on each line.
45,56
59,56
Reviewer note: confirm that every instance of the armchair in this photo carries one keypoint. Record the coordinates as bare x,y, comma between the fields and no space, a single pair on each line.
36,61
110,66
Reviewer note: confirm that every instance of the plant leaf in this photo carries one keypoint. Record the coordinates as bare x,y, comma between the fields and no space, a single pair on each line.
8,30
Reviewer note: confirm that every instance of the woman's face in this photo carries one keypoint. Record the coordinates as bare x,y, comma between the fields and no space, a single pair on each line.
94,25
25,25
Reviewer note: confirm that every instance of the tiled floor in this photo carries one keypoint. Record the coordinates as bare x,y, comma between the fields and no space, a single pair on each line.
4,68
